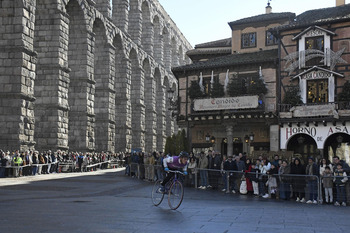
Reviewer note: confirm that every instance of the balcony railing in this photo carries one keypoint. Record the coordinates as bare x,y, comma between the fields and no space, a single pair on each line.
342,105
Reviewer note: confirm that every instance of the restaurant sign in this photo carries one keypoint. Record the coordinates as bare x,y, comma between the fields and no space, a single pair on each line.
320,133
241,102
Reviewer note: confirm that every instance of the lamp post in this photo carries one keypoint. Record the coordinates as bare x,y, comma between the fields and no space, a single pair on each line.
246,140
173,103
212,140
251,137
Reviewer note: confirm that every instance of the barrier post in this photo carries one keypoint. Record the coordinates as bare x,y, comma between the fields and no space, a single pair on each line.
195,178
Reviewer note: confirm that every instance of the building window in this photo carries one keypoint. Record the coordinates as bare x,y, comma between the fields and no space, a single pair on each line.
314,43
317,91
207,84
270,39
249,40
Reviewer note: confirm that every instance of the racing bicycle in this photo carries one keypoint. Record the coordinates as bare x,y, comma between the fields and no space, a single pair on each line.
174,189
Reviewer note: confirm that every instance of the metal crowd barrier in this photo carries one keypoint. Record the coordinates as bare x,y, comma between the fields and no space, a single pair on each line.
72,166
220,179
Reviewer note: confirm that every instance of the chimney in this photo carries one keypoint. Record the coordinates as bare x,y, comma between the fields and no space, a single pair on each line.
269,8
339,2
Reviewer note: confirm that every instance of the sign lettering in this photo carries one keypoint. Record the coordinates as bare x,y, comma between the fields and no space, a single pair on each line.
241,102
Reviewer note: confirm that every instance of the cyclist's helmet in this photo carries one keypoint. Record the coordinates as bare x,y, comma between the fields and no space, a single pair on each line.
183,154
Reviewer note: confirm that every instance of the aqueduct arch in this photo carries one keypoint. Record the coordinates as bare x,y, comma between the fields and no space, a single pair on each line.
82,80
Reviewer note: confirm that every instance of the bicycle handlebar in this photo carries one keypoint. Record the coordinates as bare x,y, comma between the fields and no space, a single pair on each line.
176,172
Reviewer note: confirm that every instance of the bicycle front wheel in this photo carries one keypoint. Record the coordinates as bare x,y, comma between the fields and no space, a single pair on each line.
157,195
176,194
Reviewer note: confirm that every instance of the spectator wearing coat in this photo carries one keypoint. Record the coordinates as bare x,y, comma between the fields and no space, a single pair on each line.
240,165
214,163
203,172
312,171
229,167
340,178
327,181
298,181
283,172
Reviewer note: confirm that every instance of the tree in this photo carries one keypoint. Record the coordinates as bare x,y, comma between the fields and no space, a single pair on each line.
257,87
345,94
292,96
195,90
168,145
176,143
235,88
217,91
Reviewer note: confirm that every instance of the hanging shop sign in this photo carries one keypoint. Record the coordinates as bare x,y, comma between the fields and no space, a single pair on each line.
241,102
314,110
318,133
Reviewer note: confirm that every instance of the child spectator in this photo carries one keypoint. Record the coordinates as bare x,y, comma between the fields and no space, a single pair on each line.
340,178
271,181
328,184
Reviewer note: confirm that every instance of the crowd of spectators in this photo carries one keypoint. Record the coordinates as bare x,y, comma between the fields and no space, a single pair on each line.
16,163
293,179
278,178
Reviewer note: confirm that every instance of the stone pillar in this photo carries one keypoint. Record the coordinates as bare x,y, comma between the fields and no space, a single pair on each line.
147,30
135,22
104,97
123,104
229,134
120,14
81,135
158,42
174,54
167,51
52,81
105,7
17,75
161,123
138,111
151,114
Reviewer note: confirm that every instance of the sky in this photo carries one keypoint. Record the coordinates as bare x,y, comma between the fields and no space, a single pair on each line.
203,21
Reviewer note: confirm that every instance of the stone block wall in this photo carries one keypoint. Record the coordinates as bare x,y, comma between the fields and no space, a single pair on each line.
68,82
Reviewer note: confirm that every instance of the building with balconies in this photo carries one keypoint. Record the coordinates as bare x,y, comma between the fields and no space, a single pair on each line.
314,72
227,98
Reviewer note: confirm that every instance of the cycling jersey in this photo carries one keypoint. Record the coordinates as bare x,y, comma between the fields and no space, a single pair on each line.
174,163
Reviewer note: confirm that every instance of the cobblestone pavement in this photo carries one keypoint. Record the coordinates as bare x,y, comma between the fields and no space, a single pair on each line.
107,201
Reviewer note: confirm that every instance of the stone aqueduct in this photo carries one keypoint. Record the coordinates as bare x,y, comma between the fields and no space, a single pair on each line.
87,75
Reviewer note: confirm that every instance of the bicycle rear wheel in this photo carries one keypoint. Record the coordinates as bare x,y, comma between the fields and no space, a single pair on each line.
176,195
157,196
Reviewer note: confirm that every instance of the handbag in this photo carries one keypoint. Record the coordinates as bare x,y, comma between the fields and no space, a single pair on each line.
243,188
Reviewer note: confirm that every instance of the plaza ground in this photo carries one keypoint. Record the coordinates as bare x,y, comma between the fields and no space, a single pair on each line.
107,201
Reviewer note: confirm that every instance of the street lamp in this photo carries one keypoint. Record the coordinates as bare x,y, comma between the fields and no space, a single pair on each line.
246,138
212,139
251,137
207,138
173,102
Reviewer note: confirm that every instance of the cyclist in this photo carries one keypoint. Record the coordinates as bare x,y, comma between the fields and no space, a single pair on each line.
174,163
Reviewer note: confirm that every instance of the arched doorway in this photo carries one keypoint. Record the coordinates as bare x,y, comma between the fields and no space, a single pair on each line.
337,144
304,146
